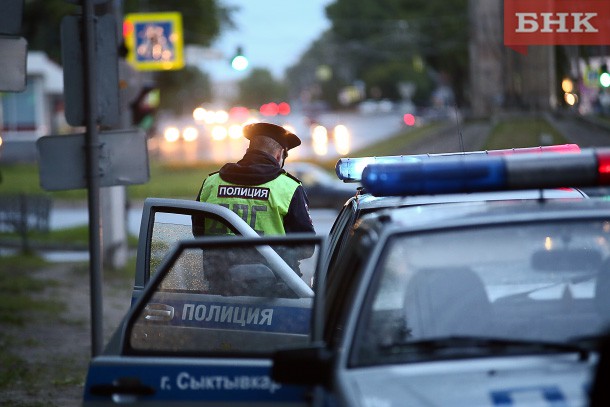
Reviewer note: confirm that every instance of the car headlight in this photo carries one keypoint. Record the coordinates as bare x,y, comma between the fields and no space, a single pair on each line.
235,131
171,134
342,139
190,133
219,133
319,136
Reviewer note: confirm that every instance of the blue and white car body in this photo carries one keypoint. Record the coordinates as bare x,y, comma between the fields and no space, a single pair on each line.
392,319
185,340
481,303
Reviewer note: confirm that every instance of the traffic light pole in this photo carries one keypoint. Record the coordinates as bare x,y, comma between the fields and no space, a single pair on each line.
92,147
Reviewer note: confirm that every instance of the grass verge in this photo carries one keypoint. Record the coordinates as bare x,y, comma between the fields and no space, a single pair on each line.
523,132
175,180
31,303
19,301
76,236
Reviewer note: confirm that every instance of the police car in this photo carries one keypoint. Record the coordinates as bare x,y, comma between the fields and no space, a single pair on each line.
227,304
483,303
184,342
349,170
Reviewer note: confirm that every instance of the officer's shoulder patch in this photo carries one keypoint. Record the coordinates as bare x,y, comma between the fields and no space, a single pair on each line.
293,177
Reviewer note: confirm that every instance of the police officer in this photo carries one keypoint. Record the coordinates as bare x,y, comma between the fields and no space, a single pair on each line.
258,188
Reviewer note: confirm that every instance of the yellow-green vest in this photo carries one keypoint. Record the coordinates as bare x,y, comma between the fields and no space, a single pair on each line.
262,206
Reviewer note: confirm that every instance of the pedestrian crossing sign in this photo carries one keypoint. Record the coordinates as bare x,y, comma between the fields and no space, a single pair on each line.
154,41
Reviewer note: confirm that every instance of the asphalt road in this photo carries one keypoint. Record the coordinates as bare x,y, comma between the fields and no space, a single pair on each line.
448,138
472,136
582,131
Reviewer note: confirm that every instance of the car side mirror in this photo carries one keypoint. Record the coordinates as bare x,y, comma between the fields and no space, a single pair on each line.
307,366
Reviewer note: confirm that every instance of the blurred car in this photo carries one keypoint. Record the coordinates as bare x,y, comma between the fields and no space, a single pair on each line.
323,190
488,302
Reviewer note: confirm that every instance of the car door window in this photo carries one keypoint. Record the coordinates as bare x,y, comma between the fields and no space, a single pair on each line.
218,296
169,228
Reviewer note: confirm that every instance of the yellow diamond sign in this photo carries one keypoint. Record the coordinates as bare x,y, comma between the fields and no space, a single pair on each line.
154,41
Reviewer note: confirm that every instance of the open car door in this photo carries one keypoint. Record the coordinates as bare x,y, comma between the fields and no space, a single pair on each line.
205,326
167,221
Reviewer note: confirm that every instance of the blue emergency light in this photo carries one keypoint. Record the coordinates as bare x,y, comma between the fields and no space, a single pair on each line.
470,173
350,169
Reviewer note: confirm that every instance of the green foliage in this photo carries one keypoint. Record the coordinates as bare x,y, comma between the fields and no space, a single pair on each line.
20,178
375,37
182,91
24,179
183,181
524,132
17,287
202,20
40,25
387,77
76,236
168,181
358,20
397,144
260,87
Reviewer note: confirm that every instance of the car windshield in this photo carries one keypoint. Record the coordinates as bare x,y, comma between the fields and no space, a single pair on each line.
456,292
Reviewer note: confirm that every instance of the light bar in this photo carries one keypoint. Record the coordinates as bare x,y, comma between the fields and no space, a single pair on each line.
459,174
350,169
559,148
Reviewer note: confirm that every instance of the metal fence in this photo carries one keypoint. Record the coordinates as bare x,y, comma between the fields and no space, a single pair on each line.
22,213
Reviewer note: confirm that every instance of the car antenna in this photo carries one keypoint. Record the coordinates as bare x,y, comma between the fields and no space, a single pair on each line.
457,120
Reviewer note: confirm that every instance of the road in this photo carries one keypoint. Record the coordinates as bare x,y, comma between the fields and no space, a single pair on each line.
364,130
473,135
581,131
370,129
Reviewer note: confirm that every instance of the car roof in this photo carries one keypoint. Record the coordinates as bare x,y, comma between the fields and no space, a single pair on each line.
455,214
368,202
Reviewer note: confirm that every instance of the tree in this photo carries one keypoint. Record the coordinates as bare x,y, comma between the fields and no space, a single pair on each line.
260,87
304,80
382,33
182,91
40,25
202,22
386,78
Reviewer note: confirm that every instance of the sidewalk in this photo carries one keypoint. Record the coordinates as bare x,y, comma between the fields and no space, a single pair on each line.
586,131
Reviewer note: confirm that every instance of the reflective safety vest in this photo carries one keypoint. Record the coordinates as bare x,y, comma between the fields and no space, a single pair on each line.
262,206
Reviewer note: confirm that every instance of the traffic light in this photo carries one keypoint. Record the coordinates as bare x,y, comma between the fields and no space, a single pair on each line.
239,61
604,76
144,107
